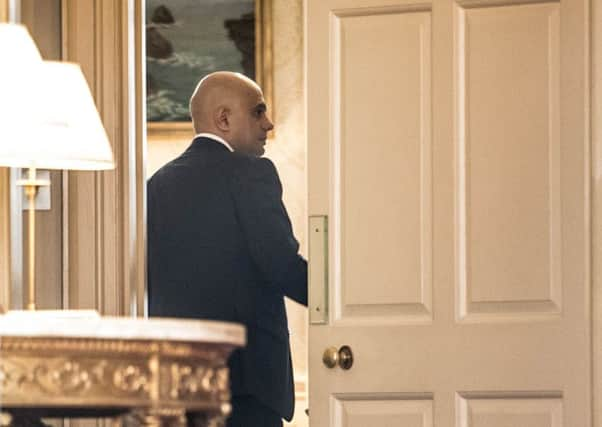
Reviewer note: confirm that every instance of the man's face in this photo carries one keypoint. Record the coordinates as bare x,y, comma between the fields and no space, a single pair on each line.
249,123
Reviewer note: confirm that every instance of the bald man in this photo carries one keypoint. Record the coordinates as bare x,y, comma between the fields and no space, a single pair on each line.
221,245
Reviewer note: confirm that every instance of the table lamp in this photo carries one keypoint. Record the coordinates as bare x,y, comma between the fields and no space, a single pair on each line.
48,120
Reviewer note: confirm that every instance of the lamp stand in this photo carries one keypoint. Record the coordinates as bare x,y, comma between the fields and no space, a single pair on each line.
31,186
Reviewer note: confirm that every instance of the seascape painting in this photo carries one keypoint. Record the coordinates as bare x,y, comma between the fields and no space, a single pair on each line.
188,39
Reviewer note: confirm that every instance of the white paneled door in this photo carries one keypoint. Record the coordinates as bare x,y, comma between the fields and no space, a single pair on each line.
448,166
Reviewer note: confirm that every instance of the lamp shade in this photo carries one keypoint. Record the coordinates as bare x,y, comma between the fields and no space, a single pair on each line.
48,120
17,47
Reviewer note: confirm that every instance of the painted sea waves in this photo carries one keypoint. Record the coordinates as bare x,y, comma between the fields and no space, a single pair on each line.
186,40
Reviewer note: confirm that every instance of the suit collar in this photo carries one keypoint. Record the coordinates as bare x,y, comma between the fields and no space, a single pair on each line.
216,138
203,143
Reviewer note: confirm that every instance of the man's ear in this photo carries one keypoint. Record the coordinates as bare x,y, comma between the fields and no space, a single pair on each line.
222,118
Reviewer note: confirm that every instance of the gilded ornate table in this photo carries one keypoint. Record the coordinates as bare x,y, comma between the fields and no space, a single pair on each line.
146,371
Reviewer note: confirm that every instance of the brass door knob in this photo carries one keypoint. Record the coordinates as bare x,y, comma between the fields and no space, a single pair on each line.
342,357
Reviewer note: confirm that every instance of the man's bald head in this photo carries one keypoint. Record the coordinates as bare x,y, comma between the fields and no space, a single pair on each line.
222,88
231,106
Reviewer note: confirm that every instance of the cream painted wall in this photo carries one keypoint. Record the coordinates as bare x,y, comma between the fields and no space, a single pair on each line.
287,150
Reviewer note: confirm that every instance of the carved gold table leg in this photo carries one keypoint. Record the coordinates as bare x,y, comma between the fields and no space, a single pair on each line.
208,420
20,420
156,417
211,419
5,419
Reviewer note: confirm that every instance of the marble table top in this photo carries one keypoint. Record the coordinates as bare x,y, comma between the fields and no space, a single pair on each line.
89,324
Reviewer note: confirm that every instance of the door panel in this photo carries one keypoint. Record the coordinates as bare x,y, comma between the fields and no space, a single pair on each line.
382,411
382,222
447,147
508,411
508,189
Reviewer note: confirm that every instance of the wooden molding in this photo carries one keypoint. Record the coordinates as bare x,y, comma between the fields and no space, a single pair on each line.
101,238
137,291
4,213
596,208
43,20
5,258
3,10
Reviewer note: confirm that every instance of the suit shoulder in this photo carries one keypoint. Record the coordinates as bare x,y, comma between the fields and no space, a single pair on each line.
157,176
255,174
161,176
256,166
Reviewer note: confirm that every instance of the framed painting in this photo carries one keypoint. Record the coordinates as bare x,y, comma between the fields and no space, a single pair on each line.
188,39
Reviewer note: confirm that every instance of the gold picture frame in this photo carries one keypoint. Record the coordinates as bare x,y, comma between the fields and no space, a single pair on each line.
263,72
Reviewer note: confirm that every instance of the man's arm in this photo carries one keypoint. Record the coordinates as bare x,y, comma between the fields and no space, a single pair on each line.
267,228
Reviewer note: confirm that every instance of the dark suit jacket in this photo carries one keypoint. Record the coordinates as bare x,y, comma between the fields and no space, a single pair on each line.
221,246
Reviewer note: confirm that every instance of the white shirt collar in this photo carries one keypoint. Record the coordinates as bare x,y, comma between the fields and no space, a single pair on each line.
215,137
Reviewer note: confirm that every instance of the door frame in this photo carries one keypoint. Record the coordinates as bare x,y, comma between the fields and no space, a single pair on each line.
595,108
